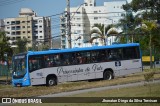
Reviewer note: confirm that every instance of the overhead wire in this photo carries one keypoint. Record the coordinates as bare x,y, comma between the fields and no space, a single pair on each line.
8,2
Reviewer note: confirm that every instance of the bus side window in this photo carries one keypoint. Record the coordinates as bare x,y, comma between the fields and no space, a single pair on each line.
74,59
31,65
79,58
93,56
35,63
101,56
130,53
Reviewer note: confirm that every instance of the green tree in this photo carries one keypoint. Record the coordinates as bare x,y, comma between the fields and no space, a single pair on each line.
151,7
5,46
128,24
152,36
147,10
21,45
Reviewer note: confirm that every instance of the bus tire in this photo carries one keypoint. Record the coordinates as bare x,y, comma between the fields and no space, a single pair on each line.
51,81
108,75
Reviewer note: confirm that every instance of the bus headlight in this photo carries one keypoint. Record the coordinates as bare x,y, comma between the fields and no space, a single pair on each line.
24,79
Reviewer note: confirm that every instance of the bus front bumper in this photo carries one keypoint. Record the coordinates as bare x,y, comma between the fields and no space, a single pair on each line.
20,82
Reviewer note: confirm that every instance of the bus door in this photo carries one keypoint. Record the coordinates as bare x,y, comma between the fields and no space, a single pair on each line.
36,69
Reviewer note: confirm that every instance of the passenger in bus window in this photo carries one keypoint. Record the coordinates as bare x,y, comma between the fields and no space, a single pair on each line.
30,65
74,60
79,58
110,56
94,59
57,60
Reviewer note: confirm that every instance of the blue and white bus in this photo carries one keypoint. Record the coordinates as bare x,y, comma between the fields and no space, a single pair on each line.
51,67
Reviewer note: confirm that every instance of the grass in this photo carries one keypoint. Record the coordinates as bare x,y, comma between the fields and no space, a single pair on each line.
5,77
9,91
138,91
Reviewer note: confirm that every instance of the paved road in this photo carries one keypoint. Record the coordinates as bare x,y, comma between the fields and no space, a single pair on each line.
64,94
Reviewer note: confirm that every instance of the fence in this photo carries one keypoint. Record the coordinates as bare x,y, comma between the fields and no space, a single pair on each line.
3,70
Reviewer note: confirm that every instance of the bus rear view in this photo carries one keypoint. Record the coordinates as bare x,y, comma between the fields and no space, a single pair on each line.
20,76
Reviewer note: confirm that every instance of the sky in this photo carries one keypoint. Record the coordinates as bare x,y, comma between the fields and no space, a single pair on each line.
11,8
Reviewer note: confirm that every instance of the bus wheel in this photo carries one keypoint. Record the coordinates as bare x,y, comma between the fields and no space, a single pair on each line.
51,81
108,75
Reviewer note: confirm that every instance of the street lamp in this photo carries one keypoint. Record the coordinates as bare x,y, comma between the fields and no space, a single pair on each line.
106,37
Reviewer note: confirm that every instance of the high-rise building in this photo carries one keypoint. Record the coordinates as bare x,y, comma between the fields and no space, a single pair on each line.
83,18
28,25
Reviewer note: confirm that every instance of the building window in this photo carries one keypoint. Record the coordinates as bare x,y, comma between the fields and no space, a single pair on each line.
78,31
17,22
13,33
29,32
40,26
40,31
40,21
23,21
14,28
86,4
79,44
90,4
18,27
23,27
8,22
122,14
28,26
8,27
95,18
95,11
13,22
40,36
78,18
24,32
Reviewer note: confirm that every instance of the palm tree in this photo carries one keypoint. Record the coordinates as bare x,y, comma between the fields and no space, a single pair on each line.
128,24
98,29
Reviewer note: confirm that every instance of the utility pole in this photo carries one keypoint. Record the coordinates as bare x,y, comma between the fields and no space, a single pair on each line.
7,64
27,33
68,24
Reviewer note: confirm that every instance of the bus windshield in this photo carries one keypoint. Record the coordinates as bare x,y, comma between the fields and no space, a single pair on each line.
19,66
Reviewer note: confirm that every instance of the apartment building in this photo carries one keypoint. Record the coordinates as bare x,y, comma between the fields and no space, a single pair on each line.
83,18
28,25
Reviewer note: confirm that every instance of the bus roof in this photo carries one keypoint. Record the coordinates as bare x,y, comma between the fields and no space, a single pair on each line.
81,49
